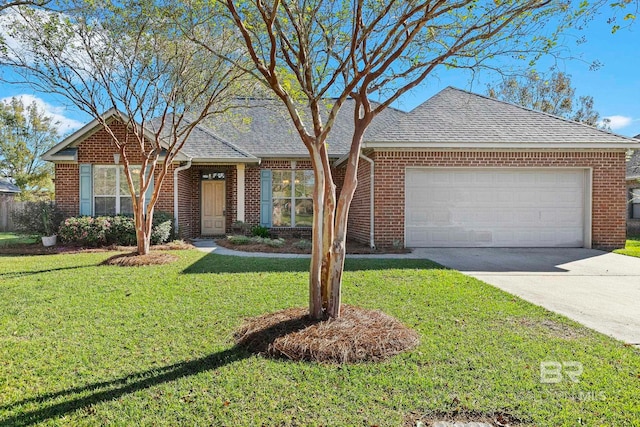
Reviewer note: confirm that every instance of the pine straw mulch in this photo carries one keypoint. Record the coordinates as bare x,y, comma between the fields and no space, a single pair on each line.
38,249
134,260
358,335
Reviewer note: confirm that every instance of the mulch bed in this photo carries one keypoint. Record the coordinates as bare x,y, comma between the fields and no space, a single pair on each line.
38,249
135,260
290,247
358,335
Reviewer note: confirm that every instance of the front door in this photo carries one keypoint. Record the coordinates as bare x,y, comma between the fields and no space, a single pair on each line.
213,208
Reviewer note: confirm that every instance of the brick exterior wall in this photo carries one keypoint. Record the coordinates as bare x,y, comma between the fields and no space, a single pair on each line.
186,225
67,184
608,187
358,226
609,202
98,149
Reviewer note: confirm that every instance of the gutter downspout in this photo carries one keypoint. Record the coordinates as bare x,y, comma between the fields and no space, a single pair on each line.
371,201
175,192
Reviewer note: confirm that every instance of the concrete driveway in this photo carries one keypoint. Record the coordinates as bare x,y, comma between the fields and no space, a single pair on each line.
599,289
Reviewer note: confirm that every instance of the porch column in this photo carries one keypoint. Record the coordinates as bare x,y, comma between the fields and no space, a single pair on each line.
240,191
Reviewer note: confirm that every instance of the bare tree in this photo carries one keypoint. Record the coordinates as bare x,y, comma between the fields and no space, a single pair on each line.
131,57
307,51
553,95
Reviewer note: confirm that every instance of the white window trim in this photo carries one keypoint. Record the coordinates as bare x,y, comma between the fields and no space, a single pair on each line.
292,198
117,196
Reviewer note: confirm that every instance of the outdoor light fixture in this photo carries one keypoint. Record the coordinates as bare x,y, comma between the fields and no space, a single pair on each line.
116,158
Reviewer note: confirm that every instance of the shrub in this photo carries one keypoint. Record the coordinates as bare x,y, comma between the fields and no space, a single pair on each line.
303,244
42,218
122,231
260,231
85,230
274,243
239,240
162,230
112,230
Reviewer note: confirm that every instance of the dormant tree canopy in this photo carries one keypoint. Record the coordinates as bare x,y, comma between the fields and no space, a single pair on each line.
129,57
307,51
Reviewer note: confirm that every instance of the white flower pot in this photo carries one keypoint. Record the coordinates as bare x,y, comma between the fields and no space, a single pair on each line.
49,240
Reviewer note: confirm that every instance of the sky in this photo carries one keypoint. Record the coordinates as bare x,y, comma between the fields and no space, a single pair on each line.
615,86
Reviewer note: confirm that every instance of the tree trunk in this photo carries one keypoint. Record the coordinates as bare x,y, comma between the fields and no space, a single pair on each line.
143,228
341,216
317,254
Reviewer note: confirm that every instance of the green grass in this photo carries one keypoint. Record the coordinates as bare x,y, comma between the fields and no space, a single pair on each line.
632,248
8,239
83,344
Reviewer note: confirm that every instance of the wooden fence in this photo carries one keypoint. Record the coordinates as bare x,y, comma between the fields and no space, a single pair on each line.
7,207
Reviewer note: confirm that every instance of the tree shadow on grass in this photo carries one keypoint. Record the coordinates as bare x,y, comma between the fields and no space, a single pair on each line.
213,263
14,274
111,390
77,397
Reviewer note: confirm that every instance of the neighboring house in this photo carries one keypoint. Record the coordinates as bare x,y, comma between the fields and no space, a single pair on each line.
459,170
633,187
8,190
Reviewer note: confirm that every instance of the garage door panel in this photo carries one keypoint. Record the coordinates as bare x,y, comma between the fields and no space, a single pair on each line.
495,207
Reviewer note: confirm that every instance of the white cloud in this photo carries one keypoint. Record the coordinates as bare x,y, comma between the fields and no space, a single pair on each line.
619,122
65,124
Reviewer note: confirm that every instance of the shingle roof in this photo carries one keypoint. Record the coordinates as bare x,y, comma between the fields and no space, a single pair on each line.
203,144
7,186
452,118
264,128
457,116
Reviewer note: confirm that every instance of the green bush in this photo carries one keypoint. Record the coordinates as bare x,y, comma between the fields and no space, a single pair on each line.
122,231
41,218
85,230
260,231
274,243
112,230
162,230
239,240
303,244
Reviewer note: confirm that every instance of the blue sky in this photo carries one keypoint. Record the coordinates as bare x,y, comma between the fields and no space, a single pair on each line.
615,86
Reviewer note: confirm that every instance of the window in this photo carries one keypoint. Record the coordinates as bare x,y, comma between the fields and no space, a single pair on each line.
635,203
292,192
111,194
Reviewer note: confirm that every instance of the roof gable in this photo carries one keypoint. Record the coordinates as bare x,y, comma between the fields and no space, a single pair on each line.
64,150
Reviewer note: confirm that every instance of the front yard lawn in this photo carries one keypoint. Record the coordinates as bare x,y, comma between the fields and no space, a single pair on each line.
8,239
632,248
83,344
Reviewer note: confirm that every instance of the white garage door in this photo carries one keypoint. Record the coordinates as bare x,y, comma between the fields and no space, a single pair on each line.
508,207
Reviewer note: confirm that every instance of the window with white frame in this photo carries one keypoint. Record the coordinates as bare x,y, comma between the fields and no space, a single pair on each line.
292,198
635,203
111,194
